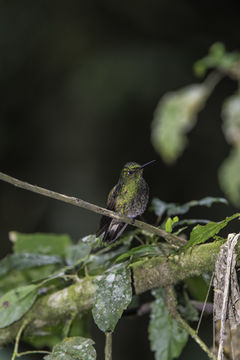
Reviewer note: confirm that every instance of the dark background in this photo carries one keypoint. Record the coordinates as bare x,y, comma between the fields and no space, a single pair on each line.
79,84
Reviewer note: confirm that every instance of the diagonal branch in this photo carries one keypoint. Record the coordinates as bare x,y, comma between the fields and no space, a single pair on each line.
171,238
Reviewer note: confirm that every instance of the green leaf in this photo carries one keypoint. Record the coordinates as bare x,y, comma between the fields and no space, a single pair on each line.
12,280
73,348
78,252
159,206
15,303
167,337
175,115
47,244
26,261
202,233
170,222
98,263
217,58
113,295
138,251
197,287
229,176
231,119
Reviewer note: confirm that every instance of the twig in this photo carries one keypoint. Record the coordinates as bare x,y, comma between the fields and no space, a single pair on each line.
68,324
30,352
199,305
17,340
108,346
19,333
195,337
171,238
204,305
172,308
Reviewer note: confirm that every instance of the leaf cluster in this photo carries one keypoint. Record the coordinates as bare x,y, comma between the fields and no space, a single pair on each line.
46,263
177,113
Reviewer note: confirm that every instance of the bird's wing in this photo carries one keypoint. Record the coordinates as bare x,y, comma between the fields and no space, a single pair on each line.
111,202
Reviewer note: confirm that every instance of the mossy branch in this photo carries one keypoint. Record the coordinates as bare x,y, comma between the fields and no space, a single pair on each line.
52,309
171,238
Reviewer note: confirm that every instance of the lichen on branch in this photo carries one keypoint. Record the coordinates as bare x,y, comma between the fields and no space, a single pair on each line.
54,308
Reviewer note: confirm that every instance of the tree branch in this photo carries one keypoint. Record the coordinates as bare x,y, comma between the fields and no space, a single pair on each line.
52,309
171,238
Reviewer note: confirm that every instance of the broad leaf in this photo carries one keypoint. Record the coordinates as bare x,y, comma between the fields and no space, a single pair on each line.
79,252
138,251
73,348
113,295
25,261
98,263
229,177
202,233
167,337
47,244
175,115
231,119
15,303
197,287
160,207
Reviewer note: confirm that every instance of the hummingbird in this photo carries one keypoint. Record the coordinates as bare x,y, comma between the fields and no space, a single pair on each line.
128,197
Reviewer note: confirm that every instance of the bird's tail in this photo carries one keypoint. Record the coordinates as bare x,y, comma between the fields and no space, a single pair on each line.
112,231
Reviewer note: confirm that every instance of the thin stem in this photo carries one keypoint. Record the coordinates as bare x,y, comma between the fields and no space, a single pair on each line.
171,303
204,305
108,346
33,352
19,333
171,238
195,337
213,79
67,325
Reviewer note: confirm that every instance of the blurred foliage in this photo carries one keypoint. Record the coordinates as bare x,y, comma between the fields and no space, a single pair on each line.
219,59
177,112
55,263
175,115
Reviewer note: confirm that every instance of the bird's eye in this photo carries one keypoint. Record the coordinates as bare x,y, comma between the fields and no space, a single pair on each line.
130,172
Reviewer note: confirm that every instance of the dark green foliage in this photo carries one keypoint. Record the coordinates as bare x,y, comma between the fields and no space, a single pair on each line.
15,303
113,295
43,263
177,113
202,233
167,337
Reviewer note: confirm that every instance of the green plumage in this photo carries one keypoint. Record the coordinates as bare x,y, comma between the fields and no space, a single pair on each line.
129,197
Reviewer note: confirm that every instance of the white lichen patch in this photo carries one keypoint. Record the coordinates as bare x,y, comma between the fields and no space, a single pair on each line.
39,323
110,278
79,288
113,295
56,299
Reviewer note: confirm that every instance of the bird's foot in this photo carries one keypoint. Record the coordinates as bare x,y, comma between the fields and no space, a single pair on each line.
132,220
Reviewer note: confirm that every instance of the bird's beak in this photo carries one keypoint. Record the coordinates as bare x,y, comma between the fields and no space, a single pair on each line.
148,163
